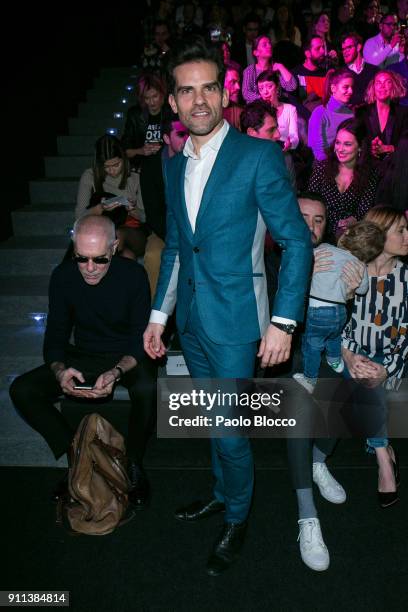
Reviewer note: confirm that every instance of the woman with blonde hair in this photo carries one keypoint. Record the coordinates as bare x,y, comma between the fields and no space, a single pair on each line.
386,121
375,342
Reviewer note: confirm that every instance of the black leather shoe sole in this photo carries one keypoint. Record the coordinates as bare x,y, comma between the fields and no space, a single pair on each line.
387,499
198,511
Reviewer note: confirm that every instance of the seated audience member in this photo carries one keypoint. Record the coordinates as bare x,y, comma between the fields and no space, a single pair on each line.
141,137
269,90
352,50
385,120
387,47
401,68
189,19
262,50
154,53
242,46
104,299
175,135
307,456
232,82
283,27
375,342
367,18
321,27
311,76
326,118
259,120
111,176
342,18
347,179
326,314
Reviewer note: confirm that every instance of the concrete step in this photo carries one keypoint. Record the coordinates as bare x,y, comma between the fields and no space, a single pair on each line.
110,93
22,298
76,145
36,255
67,166
105,110
95,126
48,191
43,219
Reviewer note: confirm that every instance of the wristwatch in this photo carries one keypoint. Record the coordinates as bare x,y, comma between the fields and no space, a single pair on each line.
121,372
289,328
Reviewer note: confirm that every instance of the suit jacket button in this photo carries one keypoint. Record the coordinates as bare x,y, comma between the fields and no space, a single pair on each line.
196,249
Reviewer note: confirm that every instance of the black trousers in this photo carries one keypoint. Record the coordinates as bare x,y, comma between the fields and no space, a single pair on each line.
34,395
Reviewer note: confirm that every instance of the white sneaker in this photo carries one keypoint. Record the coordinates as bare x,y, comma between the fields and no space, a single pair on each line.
307,383
313,550
329,488
337,366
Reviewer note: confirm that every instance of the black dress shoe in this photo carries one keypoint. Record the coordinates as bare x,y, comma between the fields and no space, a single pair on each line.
227,548
61,489
199,510
139,492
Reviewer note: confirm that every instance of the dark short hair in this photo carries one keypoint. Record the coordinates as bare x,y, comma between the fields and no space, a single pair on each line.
231,65
311,195
251,18
253,115
356,37
364,239
385,15
167,123
193,49
308,42
269,75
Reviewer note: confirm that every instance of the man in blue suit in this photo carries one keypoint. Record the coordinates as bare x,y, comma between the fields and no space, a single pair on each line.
222,193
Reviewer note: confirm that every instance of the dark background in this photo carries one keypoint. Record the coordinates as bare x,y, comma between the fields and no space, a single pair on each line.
50,56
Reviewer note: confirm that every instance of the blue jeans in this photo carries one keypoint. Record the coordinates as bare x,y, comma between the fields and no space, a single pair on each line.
323,331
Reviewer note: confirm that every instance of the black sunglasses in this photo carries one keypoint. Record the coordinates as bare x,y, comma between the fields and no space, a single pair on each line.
99,261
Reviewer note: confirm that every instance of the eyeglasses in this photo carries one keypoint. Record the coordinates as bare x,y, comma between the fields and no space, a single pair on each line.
99,261
391,24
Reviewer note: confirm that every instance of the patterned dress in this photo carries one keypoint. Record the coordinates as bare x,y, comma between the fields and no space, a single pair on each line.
379,322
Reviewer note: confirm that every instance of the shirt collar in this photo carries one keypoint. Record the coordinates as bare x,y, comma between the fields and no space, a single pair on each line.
214,143
353,66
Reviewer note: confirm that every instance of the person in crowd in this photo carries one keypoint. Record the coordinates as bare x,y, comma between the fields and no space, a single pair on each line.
187,20
262,50
232,83
402,11
112,176
352,50
347,179
141,137
269,89
342,18
242,46
387,47
307,456
326,314
326,118
175,135
367,18
311,77
105,300
375,342
401,68
283,27
218,327
385,120
321,27
155,52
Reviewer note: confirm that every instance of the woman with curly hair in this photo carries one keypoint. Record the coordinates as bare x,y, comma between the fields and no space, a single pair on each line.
386,121
346,180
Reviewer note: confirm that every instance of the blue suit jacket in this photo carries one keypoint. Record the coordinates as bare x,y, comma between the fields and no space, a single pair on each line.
223,260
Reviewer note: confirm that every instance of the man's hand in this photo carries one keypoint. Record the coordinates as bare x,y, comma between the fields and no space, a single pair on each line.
67,382
275,347
150,148
152,342
395,40
104,384
352,274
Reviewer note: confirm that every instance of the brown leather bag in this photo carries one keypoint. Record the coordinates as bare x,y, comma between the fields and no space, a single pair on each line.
97,480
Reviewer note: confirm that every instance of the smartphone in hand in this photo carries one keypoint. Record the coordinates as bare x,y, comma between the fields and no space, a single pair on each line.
121,200
88,385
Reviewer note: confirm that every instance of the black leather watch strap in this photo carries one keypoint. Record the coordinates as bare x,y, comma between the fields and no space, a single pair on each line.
121,372
289,328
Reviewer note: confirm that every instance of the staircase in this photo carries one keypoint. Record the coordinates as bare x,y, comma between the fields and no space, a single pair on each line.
41,237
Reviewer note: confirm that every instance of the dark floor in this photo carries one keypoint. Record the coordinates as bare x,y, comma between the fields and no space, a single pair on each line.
155,563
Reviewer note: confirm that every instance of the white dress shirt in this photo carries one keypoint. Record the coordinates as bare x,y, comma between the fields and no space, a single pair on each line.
380,53
198,169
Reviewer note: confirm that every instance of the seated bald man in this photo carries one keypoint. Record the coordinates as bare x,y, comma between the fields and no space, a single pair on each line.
105,300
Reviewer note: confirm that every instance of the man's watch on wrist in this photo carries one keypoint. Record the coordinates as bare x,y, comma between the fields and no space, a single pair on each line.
289,328
121,372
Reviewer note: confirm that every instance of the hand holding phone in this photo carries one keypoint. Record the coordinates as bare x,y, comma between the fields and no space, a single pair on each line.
114,202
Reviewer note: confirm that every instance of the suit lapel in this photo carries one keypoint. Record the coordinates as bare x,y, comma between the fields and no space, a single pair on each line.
222,167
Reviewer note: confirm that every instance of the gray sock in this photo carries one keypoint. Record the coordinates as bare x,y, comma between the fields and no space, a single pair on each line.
318,455
306,505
